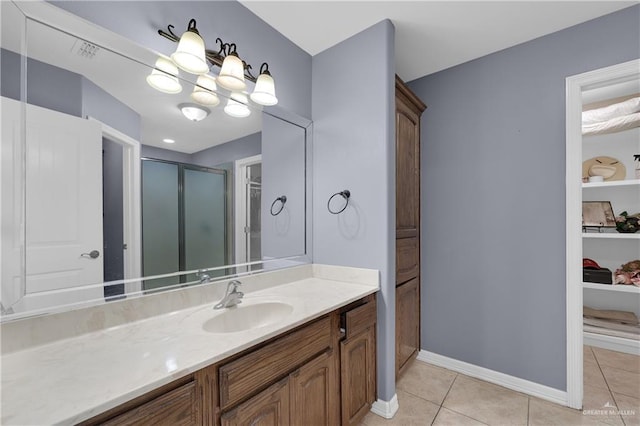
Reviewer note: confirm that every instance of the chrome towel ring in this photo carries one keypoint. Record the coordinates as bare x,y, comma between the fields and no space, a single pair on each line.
283,200
344,194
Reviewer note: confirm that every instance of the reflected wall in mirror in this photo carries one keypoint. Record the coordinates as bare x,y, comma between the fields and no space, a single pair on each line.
113,183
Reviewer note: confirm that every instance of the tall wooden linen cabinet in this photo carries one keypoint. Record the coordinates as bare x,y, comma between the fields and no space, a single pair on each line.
409,108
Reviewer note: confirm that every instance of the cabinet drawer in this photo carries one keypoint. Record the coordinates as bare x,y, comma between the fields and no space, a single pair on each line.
247,374
407,259
178,407
360,318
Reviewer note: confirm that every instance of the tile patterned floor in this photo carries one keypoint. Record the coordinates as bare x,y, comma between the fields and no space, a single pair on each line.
430,395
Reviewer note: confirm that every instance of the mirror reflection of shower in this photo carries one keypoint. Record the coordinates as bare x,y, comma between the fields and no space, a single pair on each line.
184,221
254,197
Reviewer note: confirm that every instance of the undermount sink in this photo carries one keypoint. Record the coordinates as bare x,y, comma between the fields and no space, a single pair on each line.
247,317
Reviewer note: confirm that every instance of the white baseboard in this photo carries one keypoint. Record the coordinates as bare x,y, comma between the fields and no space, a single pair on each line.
386,409
613,343
505,380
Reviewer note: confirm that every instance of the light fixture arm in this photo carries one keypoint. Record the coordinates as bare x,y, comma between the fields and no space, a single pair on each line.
214,58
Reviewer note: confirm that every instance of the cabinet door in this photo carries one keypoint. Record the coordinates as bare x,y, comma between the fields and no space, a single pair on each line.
407,259
407,323
358,379
177,407
268,408
314,393
407,169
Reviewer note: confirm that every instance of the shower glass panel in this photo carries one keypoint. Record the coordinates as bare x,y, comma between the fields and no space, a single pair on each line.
254,197
205,208
160,222
184,221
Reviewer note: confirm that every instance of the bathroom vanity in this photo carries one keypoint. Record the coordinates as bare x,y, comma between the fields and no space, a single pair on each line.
310,359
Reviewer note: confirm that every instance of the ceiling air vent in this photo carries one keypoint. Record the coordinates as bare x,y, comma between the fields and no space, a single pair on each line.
85,49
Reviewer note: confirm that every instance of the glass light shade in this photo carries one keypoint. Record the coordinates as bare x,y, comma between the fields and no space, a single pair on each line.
194,112
204,91
190,54
164,76
265,91
232,73
237,106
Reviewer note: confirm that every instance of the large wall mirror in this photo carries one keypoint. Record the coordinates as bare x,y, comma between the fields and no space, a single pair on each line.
111,190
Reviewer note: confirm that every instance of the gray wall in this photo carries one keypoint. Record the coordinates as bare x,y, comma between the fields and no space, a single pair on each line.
283,172
47,86
148,151
257,42
493,198
354,148
102,106
247,146
64,91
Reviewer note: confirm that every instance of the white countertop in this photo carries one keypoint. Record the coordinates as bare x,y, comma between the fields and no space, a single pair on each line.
74,379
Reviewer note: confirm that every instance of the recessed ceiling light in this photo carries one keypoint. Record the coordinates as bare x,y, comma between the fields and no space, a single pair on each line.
167,140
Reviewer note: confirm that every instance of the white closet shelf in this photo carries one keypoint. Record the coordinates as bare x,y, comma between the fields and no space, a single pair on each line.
611,235
609,287
611,184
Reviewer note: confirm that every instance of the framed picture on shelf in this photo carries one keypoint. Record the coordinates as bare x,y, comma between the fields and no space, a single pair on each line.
598,214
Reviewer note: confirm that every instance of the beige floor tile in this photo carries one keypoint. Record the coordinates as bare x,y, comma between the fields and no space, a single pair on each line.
629,409
621,381
592,376
596,398
588,355
543,413
451,418
617,360
486,402
427,381
600,402
413,411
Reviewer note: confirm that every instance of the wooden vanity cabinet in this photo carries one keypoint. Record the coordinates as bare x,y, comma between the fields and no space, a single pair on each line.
308,396
358,362
177,403
270,407
308,393
321,373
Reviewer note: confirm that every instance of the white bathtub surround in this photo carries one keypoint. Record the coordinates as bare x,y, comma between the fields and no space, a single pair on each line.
122,350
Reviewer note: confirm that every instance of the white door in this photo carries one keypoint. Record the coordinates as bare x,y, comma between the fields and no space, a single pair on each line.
63,201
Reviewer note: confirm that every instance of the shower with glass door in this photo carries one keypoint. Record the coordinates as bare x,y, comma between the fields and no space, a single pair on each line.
185,221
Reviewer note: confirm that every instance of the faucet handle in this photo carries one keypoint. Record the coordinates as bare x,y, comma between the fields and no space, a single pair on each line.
233,286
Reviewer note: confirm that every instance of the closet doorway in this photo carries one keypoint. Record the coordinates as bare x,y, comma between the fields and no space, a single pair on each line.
578,244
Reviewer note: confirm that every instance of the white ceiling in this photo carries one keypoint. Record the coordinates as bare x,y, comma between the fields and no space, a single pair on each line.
430,35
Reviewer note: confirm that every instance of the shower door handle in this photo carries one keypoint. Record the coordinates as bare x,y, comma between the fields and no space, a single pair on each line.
93,254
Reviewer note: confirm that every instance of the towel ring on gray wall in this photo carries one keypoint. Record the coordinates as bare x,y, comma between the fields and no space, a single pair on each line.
344,194
283,200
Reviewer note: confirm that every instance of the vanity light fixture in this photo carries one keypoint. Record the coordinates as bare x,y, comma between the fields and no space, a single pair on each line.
204,93
233,70
265,90
190,55
237,105
164,76
194,112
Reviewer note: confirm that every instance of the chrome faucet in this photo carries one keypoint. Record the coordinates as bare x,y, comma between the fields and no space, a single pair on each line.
232,297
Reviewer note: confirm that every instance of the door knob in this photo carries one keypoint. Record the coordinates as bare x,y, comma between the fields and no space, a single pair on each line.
92,254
